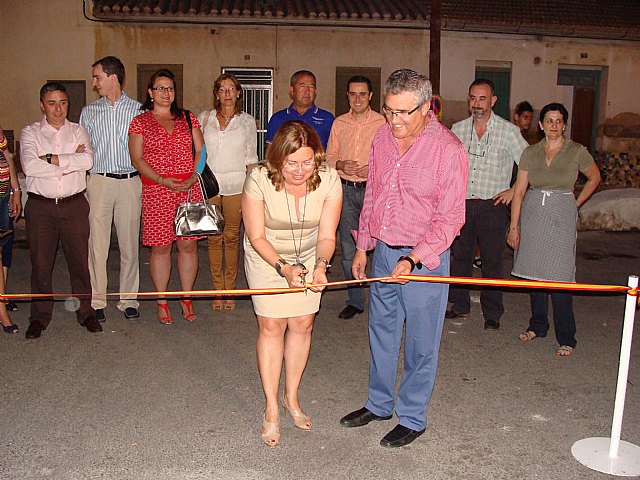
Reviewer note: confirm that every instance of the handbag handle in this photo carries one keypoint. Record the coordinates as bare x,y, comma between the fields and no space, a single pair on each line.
201,188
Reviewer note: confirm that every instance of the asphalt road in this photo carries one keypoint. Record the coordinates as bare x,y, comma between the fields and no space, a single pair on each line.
148,401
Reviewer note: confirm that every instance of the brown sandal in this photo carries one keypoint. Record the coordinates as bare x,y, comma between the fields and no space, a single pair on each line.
229,305
217,305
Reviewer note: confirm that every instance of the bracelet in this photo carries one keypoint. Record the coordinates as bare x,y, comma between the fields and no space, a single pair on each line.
320,260
410,260
279,264
158,180
512,228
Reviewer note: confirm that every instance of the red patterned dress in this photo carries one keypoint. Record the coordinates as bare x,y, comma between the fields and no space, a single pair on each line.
170,156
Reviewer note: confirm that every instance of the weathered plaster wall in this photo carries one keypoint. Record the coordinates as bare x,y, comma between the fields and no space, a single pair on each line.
44,39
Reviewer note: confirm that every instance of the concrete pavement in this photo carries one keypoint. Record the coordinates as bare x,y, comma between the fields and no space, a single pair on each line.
148,401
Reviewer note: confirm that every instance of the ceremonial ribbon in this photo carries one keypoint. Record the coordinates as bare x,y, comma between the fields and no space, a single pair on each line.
492,282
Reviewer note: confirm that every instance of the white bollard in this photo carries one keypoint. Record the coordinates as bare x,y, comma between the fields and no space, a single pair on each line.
612,455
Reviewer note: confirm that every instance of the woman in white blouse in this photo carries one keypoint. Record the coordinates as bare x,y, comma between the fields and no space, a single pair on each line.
231,139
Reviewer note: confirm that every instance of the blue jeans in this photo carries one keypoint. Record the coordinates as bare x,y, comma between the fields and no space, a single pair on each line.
352,200
419,308
564,322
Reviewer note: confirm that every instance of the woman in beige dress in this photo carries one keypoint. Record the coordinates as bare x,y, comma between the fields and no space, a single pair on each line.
291,208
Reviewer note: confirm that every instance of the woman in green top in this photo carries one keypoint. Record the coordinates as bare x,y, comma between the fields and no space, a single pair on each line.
542,231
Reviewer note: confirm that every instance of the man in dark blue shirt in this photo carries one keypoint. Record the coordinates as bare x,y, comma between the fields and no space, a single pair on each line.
302,90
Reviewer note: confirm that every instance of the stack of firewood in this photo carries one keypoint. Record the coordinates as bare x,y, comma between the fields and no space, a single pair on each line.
619,169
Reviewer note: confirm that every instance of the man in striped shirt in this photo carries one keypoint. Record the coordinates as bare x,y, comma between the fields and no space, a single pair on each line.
114,189
413,209
493,145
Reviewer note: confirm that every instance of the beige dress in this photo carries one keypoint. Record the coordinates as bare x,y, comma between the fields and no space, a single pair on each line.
278,232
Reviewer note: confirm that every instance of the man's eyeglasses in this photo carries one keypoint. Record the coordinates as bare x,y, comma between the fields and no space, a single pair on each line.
478,149
163,89
399,113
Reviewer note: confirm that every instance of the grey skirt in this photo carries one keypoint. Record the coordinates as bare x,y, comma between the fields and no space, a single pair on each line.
547,249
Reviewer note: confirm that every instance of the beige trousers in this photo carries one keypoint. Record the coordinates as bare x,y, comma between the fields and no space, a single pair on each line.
117,202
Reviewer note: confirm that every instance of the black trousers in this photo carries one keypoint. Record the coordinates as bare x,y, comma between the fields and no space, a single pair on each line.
49,225
485,225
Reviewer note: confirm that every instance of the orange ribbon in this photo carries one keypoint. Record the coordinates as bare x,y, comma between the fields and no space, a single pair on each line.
493,282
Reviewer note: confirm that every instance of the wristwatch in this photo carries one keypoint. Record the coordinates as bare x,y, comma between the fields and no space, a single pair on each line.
411,262
48,157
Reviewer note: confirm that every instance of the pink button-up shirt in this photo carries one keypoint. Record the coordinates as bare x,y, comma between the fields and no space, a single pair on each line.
351,138
416,199
55,181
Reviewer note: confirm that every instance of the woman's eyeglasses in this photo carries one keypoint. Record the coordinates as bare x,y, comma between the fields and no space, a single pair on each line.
163,89
229,90
295,166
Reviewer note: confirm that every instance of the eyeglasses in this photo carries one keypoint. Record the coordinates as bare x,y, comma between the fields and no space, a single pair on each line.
479,148
399,113
295,166
163,89
229,90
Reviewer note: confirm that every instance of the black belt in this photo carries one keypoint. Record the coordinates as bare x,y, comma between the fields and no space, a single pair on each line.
478,199
119,176
400,247
349,183
55,200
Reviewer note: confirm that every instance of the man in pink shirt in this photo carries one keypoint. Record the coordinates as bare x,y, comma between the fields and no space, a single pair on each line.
55,156
348,152
413,209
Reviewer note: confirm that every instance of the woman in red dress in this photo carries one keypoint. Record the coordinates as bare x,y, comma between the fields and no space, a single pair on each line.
161,150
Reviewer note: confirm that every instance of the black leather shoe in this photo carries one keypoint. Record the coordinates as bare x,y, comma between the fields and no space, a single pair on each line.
400,436
92,325
349,312
100,316
491,325
361,417
131,312
452,313
35,330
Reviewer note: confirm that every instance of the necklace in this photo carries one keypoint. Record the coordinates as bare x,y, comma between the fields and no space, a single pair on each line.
226,119
298,250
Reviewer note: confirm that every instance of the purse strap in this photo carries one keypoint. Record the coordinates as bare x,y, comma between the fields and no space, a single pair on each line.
187,114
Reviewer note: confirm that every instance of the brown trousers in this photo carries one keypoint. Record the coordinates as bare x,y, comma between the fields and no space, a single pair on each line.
226,246
48,225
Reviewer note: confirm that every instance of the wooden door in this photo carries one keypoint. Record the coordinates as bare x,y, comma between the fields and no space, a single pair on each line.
584,101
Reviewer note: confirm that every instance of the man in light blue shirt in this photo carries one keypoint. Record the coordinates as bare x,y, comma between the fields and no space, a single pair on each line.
114,189
302,90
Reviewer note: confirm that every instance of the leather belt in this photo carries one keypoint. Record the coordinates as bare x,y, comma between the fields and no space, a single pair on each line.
478,200
55,200
119,176
349,183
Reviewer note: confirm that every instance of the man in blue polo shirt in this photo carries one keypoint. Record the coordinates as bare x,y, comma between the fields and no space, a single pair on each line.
302,90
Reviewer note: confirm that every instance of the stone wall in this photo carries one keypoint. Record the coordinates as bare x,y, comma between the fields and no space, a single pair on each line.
619,169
